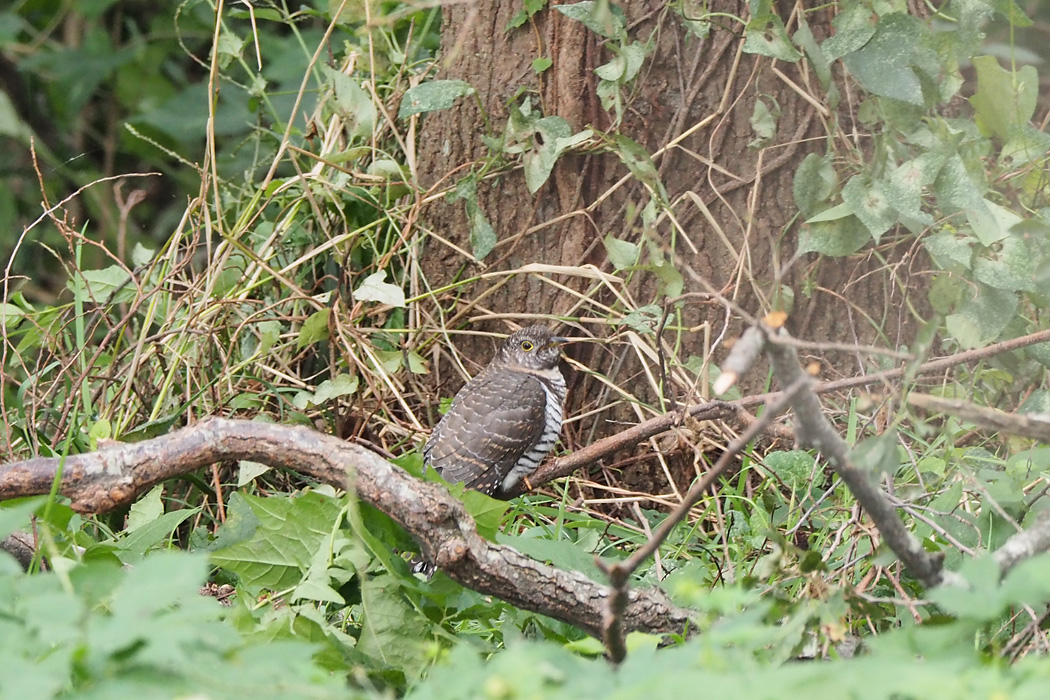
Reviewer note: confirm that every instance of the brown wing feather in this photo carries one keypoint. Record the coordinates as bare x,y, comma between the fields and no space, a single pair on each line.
492,422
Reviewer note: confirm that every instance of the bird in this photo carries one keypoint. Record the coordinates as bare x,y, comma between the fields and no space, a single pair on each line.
505,420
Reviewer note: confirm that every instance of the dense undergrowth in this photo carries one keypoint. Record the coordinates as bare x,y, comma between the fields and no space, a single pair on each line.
272,272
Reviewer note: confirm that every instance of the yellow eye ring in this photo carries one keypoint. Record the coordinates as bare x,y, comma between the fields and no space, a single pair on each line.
527,345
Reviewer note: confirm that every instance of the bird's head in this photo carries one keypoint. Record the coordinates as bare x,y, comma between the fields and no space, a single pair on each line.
534,347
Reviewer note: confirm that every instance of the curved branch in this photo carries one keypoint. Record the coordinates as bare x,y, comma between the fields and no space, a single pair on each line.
116,474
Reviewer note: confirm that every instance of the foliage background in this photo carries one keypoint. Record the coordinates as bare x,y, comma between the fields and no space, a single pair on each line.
207,253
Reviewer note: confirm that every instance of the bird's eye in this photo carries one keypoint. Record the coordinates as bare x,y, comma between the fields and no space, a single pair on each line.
527,345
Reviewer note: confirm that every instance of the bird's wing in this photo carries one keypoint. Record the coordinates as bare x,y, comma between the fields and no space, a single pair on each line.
493,421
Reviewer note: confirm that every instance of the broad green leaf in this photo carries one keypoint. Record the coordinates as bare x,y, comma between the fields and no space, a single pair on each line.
287,533
904,188
644,319
877,455
146,509
111,285
958,189
563,554
815,181
315,329
341,385
353,102
884,64
764,123
837,238
148,535
15,515
981,319
248,471
622,254
1004,100
600,17
10,315
432,96
486,511
482,235
541,64
794,468
765,35
991,222
373,288
640,163
625,64
551,137
1012,268
854,27
869,203
981,599
953,252
269,334
393,631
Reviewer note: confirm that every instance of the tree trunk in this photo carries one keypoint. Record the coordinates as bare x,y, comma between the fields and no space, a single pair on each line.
691,106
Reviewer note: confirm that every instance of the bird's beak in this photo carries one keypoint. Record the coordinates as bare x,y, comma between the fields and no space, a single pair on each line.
557,340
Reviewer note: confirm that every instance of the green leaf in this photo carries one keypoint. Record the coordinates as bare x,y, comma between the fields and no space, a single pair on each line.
148,535
482,235
877,455
815,181
563,554
854,27
10,315
373,288
764,123
1012,267
950,251
1004,100
540,64
622,254
15,515
432,96
315,329
991,222
644,320
869,203
393,631
353,102
840,237
641,165
486,511
287,532
111,285
904,189
248,471
602,18
340,385
884,65
981,319
795,468
765,35
551,136
804,39
146,509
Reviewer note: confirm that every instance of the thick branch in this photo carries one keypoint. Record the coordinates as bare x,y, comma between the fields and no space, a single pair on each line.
115,475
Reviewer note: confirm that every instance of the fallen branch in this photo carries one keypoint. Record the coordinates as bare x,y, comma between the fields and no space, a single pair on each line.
114,476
